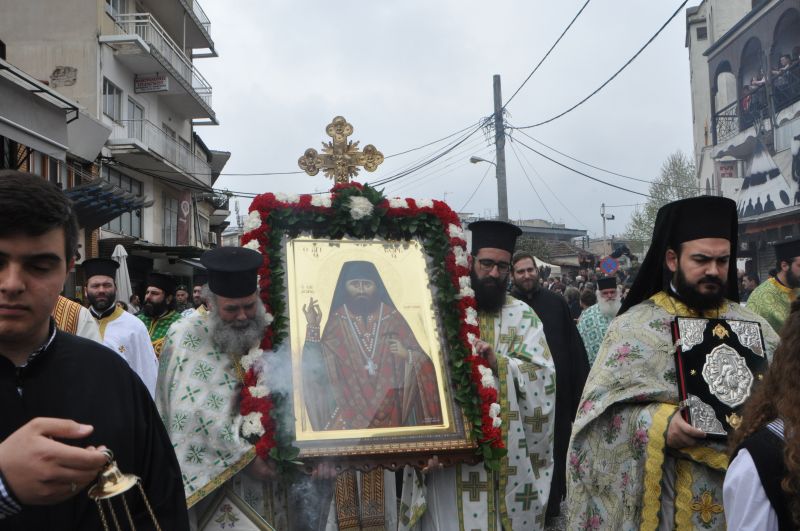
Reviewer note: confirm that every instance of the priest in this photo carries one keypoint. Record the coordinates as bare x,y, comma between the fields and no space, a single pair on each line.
773,298
513,344
595,319
158,312
119,330
569,356
634,462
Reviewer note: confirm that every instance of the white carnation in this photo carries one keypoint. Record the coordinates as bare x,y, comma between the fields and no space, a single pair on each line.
487,378
251,425
494,410
455,231
472,338
258,391
424,203
461,256
497,422
252,244
360,207
270,318
287,198
466,292
464,282
253,221
321,200
251,357
472,317
398,202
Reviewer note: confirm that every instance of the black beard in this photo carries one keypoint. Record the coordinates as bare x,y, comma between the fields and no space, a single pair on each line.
100,307
154,309
490,292
362,306
694,299
792,281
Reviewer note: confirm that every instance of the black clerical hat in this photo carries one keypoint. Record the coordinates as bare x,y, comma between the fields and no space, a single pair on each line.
100,266
495,234
200,279
163,282
788,250
679,222
606,283
232,271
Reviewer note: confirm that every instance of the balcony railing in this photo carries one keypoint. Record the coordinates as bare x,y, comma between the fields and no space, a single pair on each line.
786,88
200,14
155,139
741,114
166,51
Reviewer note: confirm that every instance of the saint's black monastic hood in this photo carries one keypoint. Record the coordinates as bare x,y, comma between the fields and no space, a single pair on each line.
681,221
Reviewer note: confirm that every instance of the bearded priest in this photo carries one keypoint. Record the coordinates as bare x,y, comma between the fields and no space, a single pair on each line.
595,319
158,312
198,393
513,343
633,462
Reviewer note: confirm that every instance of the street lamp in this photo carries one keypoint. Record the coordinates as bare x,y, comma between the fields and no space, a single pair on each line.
473,159
502,200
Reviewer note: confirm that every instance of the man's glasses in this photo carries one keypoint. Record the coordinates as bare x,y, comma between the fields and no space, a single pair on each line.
487,265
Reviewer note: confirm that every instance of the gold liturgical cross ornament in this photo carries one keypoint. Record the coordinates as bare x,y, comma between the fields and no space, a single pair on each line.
340,157
112,483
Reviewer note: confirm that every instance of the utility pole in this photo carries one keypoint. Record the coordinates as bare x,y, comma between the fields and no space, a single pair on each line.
606,250
500,146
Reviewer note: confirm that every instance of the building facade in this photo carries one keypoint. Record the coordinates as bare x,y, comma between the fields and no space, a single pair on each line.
745,82
130,66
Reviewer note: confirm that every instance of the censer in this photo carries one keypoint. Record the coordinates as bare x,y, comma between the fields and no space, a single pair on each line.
112,483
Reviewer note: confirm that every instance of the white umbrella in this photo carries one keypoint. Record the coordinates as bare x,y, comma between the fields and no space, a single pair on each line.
123,277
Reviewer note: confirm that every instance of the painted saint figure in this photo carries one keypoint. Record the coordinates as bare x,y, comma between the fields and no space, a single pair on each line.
366,369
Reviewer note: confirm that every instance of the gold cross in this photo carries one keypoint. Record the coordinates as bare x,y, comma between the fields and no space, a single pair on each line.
341,158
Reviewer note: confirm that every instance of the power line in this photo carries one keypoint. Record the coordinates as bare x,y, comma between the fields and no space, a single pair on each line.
457,160
609,80
535,191
428,144
695,188
548,53
578,171
544,182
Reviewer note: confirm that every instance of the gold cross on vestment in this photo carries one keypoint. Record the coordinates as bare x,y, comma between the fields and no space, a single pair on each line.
340,158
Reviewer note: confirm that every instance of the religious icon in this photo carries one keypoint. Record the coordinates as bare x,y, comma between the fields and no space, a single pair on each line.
369,369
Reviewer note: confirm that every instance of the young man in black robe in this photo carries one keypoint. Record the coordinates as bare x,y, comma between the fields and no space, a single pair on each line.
569,356
64,398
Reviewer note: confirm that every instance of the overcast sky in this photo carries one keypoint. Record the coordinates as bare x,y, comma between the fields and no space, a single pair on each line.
405,73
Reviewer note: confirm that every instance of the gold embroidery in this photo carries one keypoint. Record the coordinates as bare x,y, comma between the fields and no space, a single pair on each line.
673,306
683,495
720,331
654,460
706,507
66,314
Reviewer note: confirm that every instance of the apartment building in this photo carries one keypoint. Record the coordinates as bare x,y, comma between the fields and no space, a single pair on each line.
745,82
130,66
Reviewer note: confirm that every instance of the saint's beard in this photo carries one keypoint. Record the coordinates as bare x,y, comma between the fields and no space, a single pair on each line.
362,306
696,300
490,292
608,308
154,309
102,305
237,337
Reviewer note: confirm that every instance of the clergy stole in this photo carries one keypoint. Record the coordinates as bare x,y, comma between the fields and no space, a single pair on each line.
364,512
66,314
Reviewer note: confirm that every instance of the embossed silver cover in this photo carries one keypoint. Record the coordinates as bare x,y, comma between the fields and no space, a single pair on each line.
703,416
727,375
749,335
691,332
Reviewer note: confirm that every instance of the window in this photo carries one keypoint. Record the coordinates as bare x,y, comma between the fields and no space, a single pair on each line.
129,223
170,220
135,119
112,100
115,7
702,33
54,171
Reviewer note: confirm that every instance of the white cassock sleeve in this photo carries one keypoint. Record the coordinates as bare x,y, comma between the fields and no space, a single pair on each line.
746,505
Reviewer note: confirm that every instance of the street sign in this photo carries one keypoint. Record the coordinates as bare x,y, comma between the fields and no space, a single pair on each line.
609,265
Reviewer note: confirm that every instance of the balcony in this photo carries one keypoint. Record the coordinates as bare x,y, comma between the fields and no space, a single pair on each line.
145,47
186,21
142,145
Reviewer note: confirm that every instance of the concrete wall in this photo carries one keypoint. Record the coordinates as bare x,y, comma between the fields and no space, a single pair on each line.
39,44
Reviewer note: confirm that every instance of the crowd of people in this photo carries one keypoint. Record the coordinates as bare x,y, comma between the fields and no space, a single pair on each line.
583,368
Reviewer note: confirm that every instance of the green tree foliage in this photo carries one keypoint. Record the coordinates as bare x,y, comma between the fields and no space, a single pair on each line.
676,181
534,246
